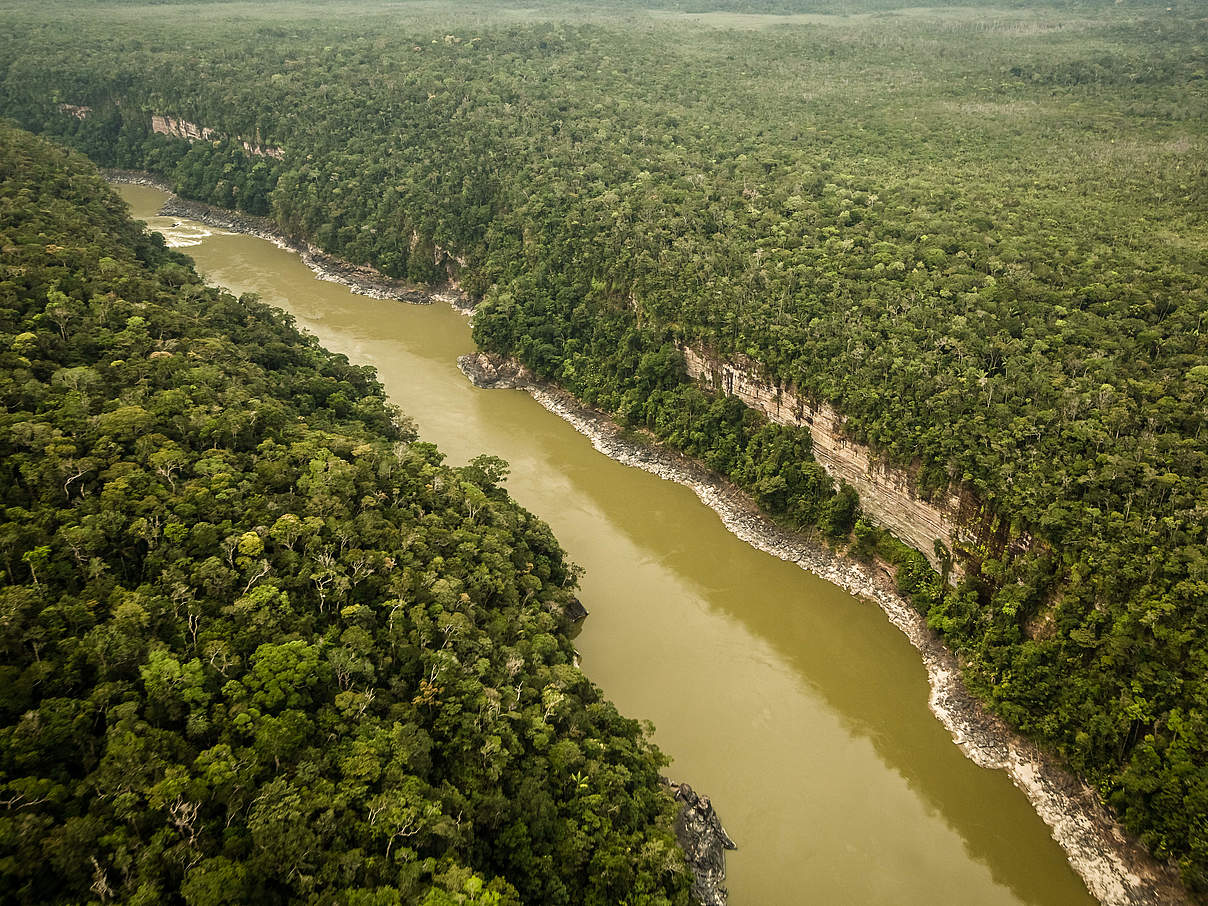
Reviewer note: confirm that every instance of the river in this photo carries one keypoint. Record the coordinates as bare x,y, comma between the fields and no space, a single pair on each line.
798,708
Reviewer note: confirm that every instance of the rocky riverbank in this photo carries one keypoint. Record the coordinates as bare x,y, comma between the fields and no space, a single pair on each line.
493,373
361,279
704,841
138,178
1116,869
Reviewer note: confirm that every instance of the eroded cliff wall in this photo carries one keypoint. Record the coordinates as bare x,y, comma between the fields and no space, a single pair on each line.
888,493
178,128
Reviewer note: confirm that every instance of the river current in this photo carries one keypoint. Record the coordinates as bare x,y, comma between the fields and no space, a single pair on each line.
797,707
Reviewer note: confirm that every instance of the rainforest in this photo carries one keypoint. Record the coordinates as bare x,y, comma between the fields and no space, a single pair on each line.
977,231
260,645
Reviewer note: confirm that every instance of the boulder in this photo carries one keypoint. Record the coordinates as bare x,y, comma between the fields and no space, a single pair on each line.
705,841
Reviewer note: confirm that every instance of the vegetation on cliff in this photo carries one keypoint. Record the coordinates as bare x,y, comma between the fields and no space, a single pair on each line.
257,644
979,233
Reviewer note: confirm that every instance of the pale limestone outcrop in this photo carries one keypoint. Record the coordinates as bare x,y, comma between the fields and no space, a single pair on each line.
178,128
888,493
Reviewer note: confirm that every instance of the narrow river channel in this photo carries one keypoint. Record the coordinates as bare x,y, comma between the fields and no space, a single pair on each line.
798,708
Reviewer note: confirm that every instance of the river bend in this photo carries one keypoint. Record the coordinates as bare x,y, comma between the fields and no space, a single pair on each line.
797,707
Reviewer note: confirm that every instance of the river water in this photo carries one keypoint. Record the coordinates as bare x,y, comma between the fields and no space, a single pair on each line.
795,706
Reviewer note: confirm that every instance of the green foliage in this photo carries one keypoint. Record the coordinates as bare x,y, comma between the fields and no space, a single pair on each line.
256,647
978,232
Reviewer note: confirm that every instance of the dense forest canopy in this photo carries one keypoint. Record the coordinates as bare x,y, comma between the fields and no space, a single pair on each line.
257,643
978,230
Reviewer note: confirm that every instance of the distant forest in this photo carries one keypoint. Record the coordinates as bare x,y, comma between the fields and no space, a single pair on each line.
978,231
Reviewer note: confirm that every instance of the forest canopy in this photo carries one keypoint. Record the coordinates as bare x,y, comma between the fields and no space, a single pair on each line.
977,231
258,644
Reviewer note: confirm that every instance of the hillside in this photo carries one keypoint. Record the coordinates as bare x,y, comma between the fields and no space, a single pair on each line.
976,232
257,644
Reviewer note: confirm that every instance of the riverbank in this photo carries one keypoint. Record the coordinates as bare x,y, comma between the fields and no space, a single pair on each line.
1116,870
361,279
697,828
734,522
704,840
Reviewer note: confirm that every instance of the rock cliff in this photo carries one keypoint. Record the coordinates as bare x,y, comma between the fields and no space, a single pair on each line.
178,128
889,495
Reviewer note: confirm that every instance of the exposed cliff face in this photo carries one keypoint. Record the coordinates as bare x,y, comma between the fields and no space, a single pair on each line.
888,494
168,125
1118,871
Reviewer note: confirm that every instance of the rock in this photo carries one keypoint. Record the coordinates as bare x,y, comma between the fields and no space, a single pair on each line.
359,278
451,293
575,611
495,372
704,841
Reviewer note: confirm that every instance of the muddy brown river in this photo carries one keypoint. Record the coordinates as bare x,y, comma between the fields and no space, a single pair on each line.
797,707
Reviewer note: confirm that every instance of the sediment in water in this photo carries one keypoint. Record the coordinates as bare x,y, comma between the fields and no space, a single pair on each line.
1116,869
361,279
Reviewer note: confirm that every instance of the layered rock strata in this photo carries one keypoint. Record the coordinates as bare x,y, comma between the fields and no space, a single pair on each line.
951,521
178,128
